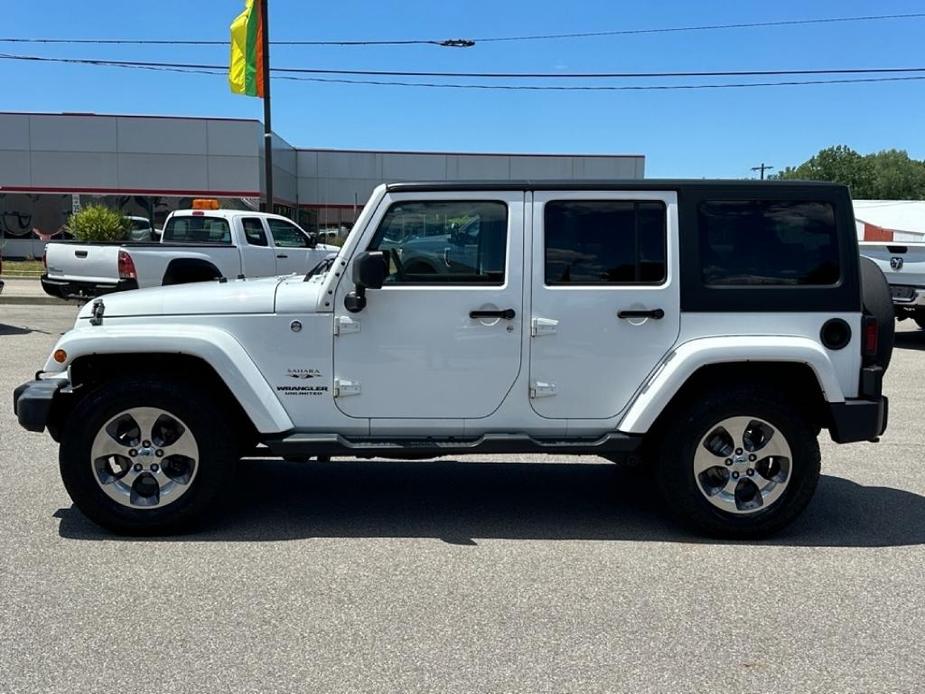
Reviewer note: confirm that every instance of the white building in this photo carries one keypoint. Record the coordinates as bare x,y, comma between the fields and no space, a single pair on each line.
148,166
890,220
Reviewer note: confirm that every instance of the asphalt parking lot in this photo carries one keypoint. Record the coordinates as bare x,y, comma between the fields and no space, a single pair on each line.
524,573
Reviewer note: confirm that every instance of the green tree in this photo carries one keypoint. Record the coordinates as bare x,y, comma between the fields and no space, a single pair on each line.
838,164
887,175
896,176
98,223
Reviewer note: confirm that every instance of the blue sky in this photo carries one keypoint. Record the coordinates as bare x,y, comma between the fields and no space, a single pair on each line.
711,133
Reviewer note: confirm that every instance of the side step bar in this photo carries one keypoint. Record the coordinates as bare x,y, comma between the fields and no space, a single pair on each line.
335,444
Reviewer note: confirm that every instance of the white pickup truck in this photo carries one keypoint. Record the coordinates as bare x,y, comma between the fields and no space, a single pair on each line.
903,264
195,246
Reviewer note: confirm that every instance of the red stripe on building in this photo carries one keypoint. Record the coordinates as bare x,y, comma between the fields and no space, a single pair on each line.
874,233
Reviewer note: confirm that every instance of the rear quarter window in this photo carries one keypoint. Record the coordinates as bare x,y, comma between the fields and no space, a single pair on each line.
768,243
197,230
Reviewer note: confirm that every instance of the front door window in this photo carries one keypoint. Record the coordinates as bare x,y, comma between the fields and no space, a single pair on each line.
455,242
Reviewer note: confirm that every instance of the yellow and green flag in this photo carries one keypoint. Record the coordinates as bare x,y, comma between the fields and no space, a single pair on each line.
245,70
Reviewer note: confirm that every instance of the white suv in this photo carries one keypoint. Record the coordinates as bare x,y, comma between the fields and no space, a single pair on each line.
706,330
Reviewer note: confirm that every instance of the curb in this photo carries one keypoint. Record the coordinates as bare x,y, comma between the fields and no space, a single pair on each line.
34,300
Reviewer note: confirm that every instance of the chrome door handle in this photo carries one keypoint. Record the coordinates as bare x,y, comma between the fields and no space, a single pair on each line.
654,313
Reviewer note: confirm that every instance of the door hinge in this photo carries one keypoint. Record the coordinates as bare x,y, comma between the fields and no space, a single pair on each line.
543,326
344,388
345,324
540,389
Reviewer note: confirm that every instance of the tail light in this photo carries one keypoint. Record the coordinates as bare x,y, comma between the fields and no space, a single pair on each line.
126,267
871,336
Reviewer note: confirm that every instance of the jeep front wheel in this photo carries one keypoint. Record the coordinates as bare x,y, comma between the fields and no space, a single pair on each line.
146,456
740,464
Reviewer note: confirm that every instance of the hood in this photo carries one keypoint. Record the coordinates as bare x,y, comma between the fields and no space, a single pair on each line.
207,298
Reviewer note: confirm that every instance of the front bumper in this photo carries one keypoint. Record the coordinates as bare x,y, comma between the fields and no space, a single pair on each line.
32,402
73,289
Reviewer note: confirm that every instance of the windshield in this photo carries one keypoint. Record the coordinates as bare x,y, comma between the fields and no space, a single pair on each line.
198,229
140,224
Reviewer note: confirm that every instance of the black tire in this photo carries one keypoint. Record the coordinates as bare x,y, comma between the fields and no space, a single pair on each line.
187,271
675,462
878,302
206,421
919,320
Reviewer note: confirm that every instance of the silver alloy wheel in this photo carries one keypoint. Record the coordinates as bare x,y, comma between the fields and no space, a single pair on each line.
144,457
742,465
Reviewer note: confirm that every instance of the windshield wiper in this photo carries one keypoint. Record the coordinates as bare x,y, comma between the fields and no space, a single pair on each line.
321,267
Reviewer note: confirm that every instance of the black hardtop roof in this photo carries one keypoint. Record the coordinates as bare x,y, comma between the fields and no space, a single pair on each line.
615,184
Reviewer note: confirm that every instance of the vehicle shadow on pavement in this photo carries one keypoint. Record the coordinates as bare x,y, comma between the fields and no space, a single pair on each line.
910,340
15,330
463,502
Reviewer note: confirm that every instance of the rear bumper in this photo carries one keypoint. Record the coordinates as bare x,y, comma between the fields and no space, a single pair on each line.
74,289
906,295
864,418
858,420
32,402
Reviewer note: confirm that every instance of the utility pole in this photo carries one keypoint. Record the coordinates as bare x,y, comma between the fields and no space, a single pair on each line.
267,126
761,168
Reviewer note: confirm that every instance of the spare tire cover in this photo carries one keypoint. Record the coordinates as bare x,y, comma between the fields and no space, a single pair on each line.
878,302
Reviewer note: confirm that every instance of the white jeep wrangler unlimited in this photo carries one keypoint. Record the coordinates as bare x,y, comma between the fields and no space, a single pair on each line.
708,330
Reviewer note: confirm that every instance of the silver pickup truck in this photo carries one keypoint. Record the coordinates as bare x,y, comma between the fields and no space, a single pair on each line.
903,264
195,246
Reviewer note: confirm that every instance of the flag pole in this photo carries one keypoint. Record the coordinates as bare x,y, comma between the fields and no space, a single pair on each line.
267,126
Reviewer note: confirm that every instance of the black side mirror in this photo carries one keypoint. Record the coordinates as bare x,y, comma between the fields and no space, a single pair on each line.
369,272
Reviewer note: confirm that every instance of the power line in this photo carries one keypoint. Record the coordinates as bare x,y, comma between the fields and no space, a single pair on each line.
601,88
480,75
704,27
220,71
446,43
465,43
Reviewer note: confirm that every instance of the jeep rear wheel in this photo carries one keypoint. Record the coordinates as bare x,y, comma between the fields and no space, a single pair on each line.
146,456
740,464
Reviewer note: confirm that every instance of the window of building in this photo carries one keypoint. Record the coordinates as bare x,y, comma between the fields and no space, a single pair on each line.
444,242
592,242
197,229
768,242
253,231
287,234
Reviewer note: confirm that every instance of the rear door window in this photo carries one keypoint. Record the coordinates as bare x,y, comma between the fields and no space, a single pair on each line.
768,243
197,230
254,232
605,242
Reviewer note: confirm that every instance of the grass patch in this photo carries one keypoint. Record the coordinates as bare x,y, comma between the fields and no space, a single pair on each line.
22,268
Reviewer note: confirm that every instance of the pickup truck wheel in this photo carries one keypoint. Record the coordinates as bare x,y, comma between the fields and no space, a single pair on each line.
146,456
740,464
919,319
